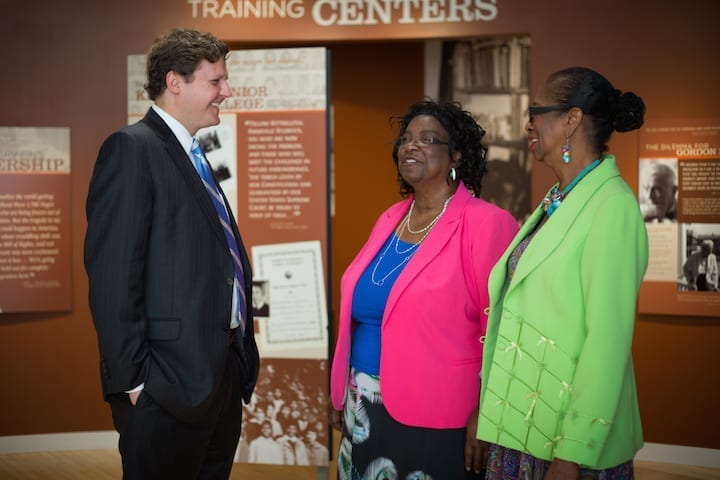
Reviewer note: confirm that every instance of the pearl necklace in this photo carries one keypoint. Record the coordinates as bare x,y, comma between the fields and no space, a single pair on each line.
432,222
405,223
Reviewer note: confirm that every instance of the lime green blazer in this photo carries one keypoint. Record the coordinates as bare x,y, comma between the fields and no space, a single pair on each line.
557,374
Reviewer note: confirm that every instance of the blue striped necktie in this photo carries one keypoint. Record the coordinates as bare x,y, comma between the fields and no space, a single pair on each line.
208,180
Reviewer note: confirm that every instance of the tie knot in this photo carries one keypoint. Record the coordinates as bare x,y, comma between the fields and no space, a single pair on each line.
195,147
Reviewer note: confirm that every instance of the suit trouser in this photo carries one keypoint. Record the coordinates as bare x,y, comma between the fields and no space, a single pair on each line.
154,445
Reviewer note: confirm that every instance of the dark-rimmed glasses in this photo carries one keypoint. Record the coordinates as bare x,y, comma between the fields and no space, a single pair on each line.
420,142
540,109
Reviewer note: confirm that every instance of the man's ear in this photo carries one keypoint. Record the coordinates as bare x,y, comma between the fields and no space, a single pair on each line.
172,81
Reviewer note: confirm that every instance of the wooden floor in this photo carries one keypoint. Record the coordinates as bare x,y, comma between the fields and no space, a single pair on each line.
105,465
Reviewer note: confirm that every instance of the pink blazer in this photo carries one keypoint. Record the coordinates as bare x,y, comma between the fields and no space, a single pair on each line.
435,315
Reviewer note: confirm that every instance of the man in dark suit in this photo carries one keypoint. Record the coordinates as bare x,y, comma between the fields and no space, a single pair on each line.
169,288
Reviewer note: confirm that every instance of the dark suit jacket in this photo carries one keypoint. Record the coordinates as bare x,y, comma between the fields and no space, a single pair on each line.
161,275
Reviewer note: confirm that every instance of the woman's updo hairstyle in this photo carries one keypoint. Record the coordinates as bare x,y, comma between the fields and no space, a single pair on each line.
609,109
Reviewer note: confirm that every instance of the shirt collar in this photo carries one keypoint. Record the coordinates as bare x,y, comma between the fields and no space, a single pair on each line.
176,127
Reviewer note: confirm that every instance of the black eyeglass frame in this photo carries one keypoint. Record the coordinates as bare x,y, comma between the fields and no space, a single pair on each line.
540,109
421,143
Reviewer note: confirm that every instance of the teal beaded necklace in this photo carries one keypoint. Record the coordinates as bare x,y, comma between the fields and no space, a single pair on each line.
555,197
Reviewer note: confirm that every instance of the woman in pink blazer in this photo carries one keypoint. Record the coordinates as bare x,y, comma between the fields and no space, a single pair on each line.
404,380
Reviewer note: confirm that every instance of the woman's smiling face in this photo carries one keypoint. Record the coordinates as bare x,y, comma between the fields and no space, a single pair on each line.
546,134
423,154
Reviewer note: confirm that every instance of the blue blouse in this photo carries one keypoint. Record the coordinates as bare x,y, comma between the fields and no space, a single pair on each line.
369,299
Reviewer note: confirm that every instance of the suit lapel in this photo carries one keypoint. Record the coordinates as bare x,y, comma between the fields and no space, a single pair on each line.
181,161
498,275
551,235
431,246
386,225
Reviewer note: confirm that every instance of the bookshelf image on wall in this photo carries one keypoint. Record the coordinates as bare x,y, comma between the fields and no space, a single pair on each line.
490,78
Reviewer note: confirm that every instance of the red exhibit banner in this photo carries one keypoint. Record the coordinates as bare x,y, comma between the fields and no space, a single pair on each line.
35,266
679,195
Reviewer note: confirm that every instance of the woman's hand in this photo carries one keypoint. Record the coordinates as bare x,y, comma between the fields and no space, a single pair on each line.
335,417
562,470
475,450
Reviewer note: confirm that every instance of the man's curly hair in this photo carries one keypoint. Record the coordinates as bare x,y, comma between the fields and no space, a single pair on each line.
180,51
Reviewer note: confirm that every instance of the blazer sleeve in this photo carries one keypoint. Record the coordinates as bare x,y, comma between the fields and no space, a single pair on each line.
492,233
119,212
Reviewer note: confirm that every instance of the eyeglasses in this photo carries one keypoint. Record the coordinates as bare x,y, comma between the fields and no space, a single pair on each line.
421,142
540,109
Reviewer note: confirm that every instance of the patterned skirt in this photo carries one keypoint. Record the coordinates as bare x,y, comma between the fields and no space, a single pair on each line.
376,447
508,464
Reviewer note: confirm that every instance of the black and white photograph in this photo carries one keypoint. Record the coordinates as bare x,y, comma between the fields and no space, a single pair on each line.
260,300
285,421
699,272
489,77
659,190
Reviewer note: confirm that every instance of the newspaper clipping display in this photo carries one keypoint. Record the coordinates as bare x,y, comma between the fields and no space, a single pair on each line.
679,195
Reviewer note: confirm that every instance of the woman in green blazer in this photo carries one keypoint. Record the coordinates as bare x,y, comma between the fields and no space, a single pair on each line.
558,397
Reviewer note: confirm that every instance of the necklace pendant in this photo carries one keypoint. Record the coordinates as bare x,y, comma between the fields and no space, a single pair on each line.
555,197
552,201
554,204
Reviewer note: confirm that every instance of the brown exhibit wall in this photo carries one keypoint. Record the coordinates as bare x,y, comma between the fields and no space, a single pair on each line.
65,66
